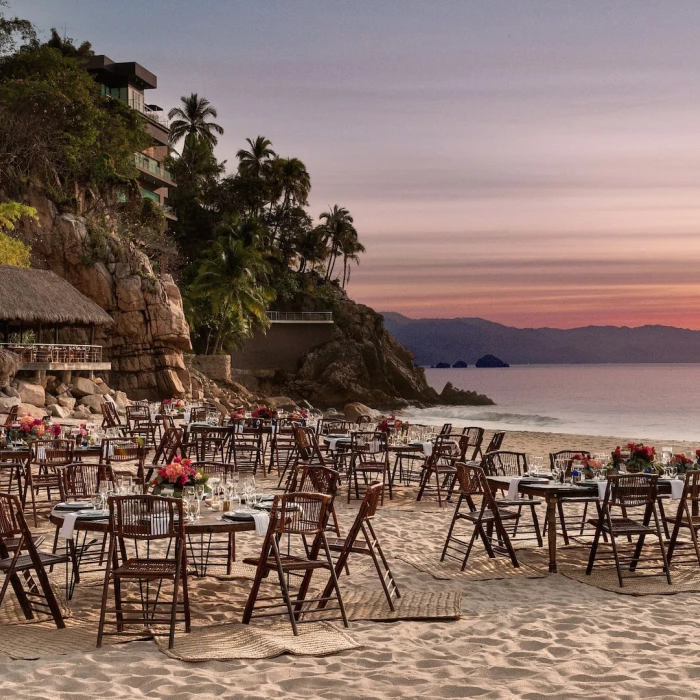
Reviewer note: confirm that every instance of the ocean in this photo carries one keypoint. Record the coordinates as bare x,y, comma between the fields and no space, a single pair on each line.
655,401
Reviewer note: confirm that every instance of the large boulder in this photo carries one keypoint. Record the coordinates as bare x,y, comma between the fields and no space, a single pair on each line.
283,402
58,411
27,409
50,400
93,402
9,364
33,394
356,409
66,402
81,413
7,402
84,387
102,387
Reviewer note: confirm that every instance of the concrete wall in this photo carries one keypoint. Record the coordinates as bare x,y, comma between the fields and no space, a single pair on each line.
282,347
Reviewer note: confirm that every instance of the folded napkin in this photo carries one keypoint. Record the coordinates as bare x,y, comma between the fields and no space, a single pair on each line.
513,489
262,521
677,488
41,453
602,487
68,526
332,442
427,448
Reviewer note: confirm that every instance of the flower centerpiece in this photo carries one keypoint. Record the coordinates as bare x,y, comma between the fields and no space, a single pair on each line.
31,429
299,414
55,430
176,475
697,458
264,412
641,458
682,463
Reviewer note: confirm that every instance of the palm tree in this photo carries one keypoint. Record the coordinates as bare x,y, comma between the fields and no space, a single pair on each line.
291,181
256,162
338,227
234,278
350,248
191,119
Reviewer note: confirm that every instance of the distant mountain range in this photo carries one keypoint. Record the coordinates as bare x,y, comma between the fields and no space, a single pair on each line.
434,340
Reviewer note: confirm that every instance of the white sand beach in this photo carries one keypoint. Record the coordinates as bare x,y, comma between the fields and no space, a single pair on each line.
518,637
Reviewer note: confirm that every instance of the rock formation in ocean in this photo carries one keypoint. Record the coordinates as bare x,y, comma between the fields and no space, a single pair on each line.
149,335
490,361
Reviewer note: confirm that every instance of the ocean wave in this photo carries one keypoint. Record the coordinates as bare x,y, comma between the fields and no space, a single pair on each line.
476,414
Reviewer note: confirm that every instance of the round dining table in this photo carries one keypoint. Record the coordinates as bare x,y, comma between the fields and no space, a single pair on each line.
199,536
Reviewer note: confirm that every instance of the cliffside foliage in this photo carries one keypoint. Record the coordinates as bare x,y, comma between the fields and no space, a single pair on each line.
13,252
257,216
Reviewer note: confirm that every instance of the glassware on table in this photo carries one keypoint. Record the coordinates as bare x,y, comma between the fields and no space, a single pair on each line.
96,501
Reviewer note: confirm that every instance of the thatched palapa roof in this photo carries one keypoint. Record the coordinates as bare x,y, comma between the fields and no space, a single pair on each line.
41,296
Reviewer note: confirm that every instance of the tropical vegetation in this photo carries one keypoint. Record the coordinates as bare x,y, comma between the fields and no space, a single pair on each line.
244,237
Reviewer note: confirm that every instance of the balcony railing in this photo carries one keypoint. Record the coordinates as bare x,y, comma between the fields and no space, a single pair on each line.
51,352
158,117
300,316
152,166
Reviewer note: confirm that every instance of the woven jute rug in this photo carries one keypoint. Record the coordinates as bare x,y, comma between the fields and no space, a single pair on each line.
257,641
31,642
11,612
572,562
479,567
412,605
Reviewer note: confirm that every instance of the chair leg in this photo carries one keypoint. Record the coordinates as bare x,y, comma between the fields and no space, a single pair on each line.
451,529
594,546
562,520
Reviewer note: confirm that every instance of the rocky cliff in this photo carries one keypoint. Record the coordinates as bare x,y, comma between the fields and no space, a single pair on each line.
146,342
362,362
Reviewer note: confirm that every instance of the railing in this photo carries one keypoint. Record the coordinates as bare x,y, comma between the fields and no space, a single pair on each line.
158,117
152,166
300,316
51,352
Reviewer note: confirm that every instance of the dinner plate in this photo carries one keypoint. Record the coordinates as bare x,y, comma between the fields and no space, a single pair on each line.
92,514
76,505
245,514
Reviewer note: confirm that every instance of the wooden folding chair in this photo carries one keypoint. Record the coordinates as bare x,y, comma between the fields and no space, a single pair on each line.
370,547
485,517
627,492
19,555
144,520
301,517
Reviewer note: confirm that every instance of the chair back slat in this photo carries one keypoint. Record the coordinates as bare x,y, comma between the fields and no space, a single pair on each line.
300,513
11,518
146,517
506,463
632,490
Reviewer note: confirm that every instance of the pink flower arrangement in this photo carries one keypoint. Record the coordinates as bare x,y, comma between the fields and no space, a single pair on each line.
55,430
179,472
238,413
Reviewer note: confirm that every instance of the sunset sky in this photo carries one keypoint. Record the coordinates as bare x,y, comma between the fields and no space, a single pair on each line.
533,163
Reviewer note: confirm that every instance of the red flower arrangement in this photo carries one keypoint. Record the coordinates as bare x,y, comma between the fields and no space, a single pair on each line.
264,412
641,457
33,428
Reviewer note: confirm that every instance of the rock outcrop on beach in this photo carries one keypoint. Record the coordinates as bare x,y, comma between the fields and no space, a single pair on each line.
460,397
149,335
361,363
